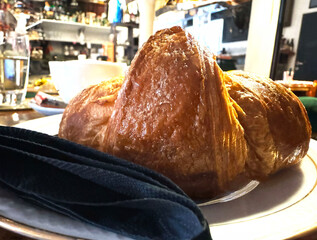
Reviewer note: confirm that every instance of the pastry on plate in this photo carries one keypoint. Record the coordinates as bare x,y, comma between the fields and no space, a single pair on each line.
179,114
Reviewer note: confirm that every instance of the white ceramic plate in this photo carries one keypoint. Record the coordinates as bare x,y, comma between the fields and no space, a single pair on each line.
45,110
48,125
282,207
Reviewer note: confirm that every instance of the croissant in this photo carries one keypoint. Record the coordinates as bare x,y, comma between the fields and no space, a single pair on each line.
178,113
90,111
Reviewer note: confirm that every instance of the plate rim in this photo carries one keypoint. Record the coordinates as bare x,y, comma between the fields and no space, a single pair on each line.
30,231
43,110
277,216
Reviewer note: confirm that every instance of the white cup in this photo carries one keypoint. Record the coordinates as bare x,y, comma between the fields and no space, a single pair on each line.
71,77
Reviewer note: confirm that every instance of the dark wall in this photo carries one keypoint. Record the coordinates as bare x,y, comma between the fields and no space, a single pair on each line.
306,59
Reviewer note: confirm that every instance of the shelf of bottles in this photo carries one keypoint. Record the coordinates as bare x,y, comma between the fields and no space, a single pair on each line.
54,30
84,25
65,21
62,20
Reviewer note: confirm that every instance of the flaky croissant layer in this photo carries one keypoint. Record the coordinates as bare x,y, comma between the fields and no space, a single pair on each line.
179,114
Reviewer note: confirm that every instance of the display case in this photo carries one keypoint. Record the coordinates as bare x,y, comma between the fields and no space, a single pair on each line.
57,40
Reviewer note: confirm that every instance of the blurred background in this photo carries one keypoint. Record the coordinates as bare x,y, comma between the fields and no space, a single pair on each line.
270,37
111,30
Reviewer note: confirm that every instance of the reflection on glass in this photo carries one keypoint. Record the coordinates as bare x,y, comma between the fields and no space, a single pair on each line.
14,65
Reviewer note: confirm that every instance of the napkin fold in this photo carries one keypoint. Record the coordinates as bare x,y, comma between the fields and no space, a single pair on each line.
94,187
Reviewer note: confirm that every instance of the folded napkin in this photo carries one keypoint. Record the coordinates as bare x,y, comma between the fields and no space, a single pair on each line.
96,188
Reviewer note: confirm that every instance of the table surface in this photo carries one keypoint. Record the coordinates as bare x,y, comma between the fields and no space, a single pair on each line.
12,117
9,118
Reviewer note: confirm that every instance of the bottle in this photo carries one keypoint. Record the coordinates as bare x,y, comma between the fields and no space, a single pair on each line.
126,16
59,11
73,7
48,13
47,7
2,22
137,17
7,20
66,50
21,23
291,45
71,50
114,11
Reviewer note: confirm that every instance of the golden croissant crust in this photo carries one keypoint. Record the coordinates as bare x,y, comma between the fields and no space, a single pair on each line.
90,111
179,114
274,120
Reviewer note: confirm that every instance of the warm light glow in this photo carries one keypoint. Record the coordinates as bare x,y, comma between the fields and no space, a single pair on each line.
15,117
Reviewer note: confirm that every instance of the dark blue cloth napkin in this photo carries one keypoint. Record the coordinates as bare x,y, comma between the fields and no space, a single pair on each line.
97,188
